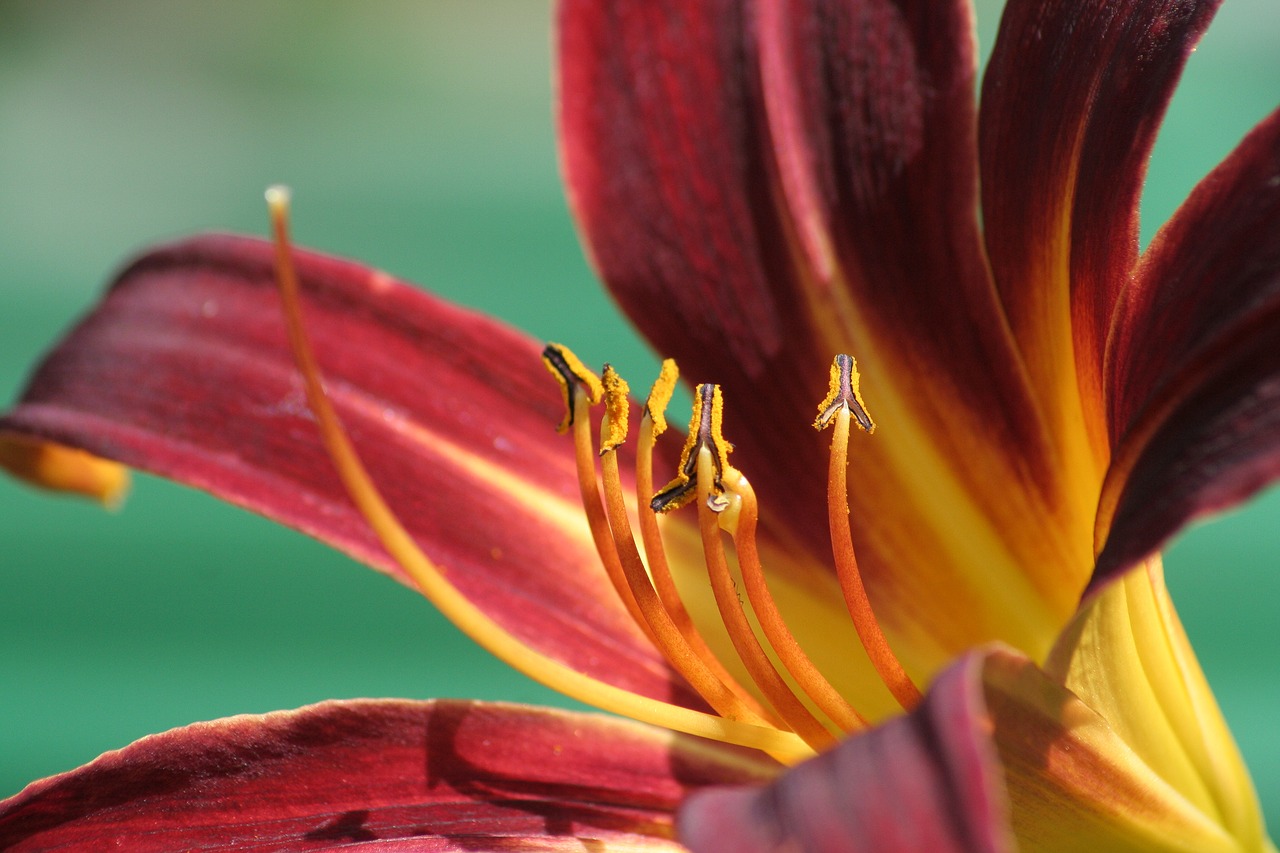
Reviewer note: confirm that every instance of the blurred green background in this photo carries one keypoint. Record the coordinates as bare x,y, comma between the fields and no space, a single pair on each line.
417,136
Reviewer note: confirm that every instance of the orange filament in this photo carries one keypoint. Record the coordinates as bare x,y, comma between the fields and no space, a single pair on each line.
653,423
431,580
745,642
882,657
784,643
726,502
710,679
584,452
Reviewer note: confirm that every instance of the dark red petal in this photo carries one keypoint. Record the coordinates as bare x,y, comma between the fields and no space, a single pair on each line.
447,775
1195,359
183,371
764,185
929,781
1073,96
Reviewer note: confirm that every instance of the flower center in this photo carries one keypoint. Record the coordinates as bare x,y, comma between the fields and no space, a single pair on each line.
790,693
790,720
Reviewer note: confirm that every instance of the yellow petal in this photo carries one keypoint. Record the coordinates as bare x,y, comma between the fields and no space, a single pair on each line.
1136,743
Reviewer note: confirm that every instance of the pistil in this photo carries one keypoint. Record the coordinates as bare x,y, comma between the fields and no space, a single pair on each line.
431,580
842,404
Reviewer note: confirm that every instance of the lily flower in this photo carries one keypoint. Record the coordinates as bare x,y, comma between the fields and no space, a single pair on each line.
951,634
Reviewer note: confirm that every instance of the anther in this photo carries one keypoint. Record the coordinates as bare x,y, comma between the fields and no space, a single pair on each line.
660,396
704,433
571,373
617,410
843,393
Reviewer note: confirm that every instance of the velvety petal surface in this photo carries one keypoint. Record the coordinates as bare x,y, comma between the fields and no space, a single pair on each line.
1118,743
1194,362
763,185
928,781
183,370
446,775
1071,101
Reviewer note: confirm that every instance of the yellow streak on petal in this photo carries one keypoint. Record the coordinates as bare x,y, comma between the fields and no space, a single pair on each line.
563,514
64,469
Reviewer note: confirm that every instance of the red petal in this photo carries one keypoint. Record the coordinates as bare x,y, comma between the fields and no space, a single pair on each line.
447,775
926,781
763,186
1194,362
1071,102
183,370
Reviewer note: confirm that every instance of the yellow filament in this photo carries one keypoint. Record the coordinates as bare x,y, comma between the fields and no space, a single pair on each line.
855,594
745,642
784,643
784,746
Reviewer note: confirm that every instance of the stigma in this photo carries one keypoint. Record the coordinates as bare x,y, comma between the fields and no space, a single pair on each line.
767,679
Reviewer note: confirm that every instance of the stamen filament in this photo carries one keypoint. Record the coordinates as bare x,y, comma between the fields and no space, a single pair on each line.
585,454
784,746
652,424
784,643
886,663
669,639
753,656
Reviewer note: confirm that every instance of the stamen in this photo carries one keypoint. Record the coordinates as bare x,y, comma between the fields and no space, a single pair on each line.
837,407
784,643
710,681
784,746
585,391
652,424
704,431
745,642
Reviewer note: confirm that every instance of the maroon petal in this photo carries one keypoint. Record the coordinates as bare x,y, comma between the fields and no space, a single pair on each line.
183,371
1073,96
929,781
1195,363
763,185
446,775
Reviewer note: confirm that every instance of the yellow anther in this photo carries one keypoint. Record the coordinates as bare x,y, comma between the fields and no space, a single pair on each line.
569,371
843,393
617,410
660,396
704,431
